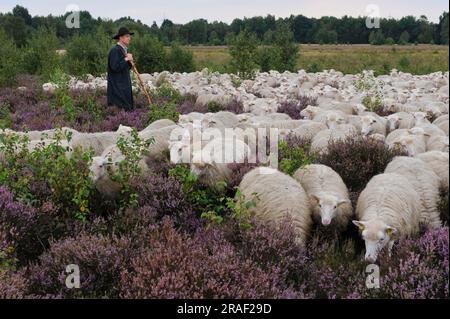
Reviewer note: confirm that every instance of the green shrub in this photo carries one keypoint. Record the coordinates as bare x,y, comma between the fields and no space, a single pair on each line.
180,60
294,153
9,63
40,56
87,54
133,150
243,50
65,179
149,54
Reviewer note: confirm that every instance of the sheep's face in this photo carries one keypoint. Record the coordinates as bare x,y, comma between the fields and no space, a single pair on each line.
328,206
420,118
407,143
376,235
309,112
98,168
393,122
333,120
360,109
368,124
125,130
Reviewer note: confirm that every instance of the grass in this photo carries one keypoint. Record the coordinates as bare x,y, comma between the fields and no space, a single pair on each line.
416,59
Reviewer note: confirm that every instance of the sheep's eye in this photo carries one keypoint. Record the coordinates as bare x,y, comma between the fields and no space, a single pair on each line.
335,206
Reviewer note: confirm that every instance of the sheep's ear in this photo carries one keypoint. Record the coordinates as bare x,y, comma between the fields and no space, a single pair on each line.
344,201
390,231
359,224
314,199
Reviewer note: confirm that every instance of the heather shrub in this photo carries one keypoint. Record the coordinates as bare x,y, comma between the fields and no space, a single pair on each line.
165,196
419,268
357,159
18,223
100,259
293,107
203,266
13,285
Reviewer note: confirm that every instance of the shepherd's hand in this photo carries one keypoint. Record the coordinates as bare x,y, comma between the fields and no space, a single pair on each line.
129,57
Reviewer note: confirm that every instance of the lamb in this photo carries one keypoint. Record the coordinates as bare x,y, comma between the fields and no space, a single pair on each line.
439,163
328,194
388,208
400,120
425,182
277,196
371,124
211,163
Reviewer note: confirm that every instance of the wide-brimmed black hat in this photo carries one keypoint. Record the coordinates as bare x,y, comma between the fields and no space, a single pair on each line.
122,31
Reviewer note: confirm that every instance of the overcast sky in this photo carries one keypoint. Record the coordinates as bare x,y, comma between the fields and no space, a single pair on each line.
182,11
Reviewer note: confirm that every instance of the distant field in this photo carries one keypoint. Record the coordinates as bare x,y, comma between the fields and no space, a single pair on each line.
417,59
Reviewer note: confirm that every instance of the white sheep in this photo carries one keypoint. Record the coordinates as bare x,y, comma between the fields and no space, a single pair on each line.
159,124
400,120
425,182
159,149
443,125
211,163
388,208
107,165
309,129
220,119
438,143
330,118
439,163
328,194
98,142
420,118
277,196
371,124
322,139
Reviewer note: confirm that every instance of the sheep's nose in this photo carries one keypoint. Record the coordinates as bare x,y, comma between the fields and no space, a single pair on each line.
326,221
370,259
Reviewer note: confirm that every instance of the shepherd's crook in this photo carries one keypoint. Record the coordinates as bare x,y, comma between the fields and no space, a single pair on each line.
141,82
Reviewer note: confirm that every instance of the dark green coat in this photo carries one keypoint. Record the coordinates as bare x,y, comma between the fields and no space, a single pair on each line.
119,90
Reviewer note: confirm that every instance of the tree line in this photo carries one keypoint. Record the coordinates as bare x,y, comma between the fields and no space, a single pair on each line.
20,26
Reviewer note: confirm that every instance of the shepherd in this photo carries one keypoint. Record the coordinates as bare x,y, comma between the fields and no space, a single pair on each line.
120,62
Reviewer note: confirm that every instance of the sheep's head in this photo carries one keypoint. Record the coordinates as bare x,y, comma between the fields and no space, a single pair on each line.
333,120
360,109
328,205
393,122
309,112
180,150
406,143
376,234
368,123
420,118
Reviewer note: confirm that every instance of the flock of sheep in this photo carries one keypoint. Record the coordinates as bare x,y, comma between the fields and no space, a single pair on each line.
392,205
